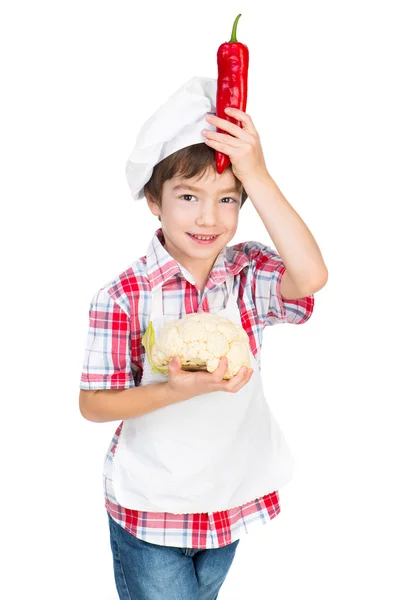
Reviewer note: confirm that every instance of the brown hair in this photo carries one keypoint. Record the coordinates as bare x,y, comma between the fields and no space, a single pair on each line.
188,162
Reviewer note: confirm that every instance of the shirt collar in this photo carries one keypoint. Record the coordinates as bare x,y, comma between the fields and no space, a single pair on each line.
160,266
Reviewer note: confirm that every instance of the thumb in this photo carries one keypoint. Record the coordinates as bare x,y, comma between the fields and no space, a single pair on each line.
222,366
175,363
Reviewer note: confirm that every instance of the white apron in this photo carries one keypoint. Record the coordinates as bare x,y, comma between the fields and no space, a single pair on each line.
209,453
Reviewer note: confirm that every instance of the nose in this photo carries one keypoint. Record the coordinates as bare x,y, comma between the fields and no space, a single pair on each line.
207,215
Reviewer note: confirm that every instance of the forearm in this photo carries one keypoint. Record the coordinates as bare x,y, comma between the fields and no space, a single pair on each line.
293,240
101,406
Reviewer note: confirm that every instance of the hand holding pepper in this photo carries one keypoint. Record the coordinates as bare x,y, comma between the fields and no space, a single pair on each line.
242,146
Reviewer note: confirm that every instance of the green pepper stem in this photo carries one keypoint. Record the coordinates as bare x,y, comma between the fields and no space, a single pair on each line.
233,38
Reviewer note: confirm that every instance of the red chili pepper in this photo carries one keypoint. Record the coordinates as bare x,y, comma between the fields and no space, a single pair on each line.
233,64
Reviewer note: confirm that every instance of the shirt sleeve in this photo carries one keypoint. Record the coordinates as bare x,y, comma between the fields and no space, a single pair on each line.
272,309
107,359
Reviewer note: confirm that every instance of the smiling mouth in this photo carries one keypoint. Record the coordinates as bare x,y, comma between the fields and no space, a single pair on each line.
205,238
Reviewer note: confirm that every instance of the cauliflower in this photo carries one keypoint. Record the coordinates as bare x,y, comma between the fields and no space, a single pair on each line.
200,340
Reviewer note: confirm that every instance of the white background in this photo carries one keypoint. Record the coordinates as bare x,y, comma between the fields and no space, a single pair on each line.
78,80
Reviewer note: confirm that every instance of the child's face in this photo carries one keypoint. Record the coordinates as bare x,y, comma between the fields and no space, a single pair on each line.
205,206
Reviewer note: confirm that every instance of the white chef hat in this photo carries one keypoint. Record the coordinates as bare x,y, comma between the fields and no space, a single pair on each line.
175,125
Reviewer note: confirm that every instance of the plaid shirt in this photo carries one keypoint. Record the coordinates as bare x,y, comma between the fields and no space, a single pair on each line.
118,317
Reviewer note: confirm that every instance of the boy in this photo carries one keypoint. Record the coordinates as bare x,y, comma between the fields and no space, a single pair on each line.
196,458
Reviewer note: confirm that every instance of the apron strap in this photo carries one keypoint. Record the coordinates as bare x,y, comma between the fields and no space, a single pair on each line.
156,302
233,298
229,284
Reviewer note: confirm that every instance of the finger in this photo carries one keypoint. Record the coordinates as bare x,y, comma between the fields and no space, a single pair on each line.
221,369
228,126
221,147
243,373
241,116
221,137
224,365
248,375
241,378
175,363
232,384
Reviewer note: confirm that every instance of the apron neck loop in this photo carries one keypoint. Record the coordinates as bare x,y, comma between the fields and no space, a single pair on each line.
157,297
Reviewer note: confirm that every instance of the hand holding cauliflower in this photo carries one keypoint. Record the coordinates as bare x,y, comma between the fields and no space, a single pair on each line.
183,385
200,340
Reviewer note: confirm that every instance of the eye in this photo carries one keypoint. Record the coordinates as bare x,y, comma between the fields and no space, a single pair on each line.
187,196
233,200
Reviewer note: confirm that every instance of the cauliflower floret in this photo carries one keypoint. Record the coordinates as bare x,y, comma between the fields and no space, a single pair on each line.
238,356
193,350
191,330
228,330
170,340
200,340
217,343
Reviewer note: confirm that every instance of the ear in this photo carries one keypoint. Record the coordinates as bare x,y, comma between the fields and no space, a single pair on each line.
152,204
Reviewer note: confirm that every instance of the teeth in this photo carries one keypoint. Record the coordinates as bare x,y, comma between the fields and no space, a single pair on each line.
211,237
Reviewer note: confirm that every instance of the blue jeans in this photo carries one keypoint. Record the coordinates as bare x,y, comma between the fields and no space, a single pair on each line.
145,571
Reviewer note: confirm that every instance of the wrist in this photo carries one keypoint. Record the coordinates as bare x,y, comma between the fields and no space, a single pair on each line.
173,394
256,180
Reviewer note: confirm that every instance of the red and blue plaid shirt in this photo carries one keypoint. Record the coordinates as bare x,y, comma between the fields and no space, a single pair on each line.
114,357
